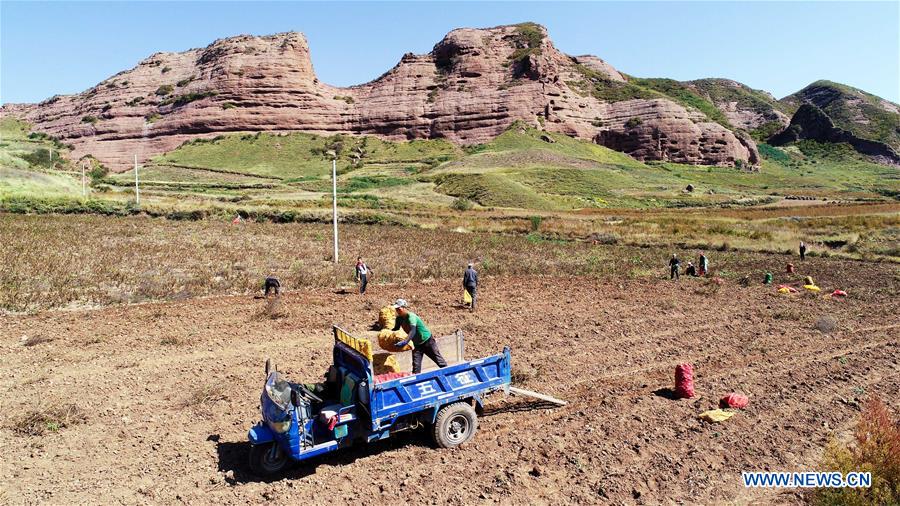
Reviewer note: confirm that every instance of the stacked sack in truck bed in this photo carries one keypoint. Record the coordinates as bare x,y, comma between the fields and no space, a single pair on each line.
384,363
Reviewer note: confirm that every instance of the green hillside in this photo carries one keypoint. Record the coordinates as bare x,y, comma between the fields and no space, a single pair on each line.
724,91
299,155
22,149
523,168
865,115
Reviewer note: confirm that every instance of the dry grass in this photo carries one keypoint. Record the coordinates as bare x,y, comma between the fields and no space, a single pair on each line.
49,418
826,324
273,309
36,340
206,394
86,260
876,449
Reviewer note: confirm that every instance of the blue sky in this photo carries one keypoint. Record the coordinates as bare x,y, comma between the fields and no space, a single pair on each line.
66,47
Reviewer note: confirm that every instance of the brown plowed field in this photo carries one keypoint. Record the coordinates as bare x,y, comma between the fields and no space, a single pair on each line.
170,389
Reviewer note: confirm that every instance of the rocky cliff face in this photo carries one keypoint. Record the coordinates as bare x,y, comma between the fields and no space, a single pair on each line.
472,86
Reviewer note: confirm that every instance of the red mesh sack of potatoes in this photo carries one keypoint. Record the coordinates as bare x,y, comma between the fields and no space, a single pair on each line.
734,400
684,381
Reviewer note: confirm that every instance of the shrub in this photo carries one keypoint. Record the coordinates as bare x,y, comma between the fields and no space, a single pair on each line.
90,119
152,117
134,101
876,449
826,324
166,69
228,105
530,36
349,100
184,82
165,89
633,122
535,222
187,98
207,394
40,158
98,172
462,204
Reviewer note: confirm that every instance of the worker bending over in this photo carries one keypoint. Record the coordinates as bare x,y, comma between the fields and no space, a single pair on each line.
690,270
419,335
272,285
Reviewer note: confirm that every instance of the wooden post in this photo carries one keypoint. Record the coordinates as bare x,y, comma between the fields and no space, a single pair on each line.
334,204
137,189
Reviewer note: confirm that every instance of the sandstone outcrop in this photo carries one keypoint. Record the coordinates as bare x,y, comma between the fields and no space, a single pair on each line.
471,87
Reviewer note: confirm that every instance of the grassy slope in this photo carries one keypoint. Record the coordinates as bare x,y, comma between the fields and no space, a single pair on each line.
582,174
721,91
299,155
852,109
518,169
27,165
597,85
20,150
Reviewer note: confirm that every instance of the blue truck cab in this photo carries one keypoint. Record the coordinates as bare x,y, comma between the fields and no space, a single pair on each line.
353,405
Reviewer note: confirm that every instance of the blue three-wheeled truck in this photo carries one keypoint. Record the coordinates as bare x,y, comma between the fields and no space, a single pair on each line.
301,421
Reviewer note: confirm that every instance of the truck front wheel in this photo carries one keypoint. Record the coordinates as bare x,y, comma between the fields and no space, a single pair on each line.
267,459
455,424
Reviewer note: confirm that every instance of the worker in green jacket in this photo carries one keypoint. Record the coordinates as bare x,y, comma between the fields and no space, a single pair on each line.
419,335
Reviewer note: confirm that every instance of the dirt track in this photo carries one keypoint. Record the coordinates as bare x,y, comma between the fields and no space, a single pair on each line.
138,370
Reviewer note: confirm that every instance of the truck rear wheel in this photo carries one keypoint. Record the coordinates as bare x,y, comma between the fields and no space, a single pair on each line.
455,424
267,459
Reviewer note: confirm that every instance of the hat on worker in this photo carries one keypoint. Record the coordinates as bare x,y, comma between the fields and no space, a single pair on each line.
400,303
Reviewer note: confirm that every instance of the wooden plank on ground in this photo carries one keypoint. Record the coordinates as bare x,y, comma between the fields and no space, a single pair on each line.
528,393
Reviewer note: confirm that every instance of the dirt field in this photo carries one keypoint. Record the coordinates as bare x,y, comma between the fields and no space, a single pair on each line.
170,389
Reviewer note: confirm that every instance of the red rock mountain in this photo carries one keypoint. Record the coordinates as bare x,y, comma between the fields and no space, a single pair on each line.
472,86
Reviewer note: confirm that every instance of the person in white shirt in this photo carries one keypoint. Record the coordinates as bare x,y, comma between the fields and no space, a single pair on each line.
362,274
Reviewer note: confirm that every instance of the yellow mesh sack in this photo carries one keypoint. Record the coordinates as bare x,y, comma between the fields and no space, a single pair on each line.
716,415
387,317
384,363
388,340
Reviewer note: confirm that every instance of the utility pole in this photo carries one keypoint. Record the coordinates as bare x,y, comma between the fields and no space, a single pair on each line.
334,203
137,189
83,187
